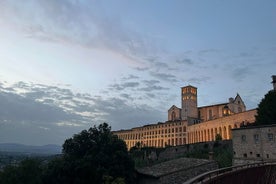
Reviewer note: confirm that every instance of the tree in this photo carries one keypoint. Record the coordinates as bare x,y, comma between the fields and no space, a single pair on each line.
28,171
218,137
93,156
266,111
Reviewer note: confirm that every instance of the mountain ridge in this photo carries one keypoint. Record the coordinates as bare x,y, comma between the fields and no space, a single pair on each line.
48,149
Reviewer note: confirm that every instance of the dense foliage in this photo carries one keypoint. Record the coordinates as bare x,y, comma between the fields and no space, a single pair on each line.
28,171
145,156
222,153
266,111
92,156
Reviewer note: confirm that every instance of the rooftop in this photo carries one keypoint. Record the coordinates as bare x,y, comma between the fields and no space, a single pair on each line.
166,168
252,127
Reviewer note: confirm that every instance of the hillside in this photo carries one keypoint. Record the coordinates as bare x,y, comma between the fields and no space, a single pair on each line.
49,149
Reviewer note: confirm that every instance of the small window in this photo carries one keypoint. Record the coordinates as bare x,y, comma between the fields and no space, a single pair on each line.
256,138
210,114
270,137
258,155
244,155
250,152
267,155
243,138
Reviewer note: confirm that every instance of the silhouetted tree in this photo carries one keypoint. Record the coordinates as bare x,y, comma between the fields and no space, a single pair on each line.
92,156
266,111
28,171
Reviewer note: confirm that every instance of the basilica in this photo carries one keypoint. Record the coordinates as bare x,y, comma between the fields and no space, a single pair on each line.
190,123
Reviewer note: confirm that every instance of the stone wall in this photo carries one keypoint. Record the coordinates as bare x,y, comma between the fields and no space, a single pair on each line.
178,151
254,144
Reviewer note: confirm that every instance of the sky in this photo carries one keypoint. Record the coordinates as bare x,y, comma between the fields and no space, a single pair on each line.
67,65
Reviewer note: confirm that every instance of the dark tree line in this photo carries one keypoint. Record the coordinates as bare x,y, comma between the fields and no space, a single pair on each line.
92,156
266,111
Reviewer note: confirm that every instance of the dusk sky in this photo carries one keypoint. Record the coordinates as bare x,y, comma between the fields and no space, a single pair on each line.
66,65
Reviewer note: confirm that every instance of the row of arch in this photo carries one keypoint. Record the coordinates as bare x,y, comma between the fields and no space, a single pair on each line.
209,134
145,134
159,142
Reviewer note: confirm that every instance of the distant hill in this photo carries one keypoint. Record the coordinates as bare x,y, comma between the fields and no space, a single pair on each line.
49,149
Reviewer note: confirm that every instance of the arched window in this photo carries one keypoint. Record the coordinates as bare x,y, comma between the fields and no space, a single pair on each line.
184,129
224,133
212,135
173,116
239,109
230,131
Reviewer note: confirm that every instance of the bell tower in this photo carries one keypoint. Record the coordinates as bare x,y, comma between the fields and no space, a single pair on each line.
189,102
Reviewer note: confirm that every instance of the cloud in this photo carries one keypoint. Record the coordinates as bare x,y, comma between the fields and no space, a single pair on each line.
126,96
124,115
130,77
151,86
124,85
151,95
209,51
79,23
240,73
16,108
141,69
164,76
160,65
130,84
150,82
199,80
34,109
185,61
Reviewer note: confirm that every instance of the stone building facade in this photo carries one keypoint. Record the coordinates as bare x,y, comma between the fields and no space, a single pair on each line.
156,135
207,130
191,124
254,144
